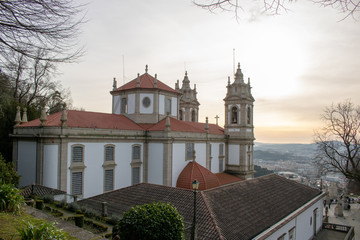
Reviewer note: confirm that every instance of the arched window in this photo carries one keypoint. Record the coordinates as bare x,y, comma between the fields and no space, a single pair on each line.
234,115
180,115
193,116
248,115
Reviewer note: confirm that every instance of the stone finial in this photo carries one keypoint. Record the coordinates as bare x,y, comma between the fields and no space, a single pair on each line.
17,117
228,80
43,116
217,120
155,81
177,85
207,125
248,81
167,123
63,118
146,68
138,80
114,84
24,116
195,87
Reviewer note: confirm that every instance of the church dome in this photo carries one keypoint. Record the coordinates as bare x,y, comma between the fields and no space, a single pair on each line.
193,171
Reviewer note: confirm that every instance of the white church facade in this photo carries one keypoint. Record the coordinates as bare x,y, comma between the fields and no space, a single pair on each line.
150,136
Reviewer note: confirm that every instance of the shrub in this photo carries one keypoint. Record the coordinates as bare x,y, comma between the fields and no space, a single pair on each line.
48,199
43,231
8,174
79,220
39,204
151,222
74,207
10,199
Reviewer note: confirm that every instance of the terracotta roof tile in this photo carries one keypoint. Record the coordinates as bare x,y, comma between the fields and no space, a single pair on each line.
240,210
83,119
123,199
39,190
185,126
146,82
193,171
226,178
245,209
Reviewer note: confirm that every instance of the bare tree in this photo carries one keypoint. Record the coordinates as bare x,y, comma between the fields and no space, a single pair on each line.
31,84
49,25
348,7
338,141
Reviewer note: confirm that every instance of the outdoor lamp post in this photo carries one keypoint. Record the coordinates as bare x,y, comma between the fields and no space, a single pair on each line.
195,187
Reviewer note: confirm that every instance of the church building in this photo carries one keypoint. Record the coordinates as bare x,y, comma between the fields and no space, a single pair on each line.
151,136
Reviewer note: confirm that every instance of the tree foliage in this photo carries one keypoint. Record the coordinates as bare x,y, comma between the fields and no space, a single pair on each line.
347,7
151,222
338,141
48,25
8,174
10,199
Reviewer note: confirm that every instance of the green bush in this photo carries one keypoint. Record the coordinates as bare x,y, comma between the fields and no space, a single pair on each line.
151,222
79,220
74,207
44,231
39,204
48,198
8,173
10,199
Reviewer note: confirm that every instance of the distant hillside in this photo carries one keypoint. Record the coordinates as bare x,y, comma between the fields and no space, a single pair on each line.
276,152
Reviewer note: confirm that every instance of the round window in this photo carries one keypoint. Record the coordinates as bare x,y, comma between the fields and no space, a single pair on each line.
146,102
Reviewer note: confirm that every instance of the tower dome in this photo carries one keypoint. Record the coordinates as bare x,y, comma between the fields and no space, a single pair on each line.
193,171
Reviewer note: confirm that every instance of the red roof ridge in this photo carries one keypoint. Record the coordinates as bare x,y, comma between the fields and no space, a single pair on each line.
146,81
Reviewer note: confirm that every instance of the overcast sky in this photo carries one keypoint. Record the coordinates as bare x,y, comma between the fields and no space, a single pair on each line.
298,62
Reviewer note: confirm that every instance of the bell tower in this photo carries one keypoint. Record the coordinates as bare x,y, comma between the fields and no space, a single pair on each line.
239,128
188,105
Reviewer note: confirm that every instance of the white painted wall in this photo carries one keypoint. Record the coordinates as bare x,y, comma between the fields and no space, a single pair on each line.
131,103
150,109
161,104
50,167
155,163
303,229
234,154
26,162
179,158
116,104
94,172
174,107
200,151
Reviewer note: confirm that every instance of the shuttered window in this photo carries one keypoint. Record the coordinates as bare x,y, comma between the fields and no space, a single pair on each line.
76,181
189,151
109,153
221,149
77,154
136,175
109,180
136,152
221,165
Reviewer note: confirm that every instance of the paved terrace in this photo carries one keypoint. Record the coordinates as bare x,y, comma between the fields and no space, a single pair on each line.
351,218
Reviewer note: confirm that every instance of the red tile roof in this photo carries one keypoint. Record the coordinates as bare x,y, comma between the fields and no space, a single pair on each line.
226,178
192,171
240,210
83,119
184,126
146,82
